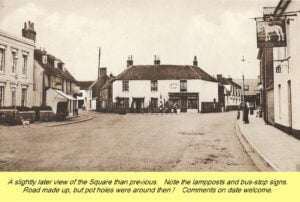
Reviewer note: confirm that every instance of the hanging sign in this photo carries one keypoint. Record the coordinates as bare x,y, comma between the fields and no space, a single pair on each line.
271,32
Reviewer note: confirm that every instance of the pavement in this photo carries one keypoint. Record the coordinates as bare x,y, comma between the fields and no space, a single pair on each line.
84,116
278,150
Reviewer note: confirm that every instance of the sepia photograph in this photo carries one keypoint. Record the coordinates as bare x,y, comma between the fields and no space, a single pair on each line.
150,85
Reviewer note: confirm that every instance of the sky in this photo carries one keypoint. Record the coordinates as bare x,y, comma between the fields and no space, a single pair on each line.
218,32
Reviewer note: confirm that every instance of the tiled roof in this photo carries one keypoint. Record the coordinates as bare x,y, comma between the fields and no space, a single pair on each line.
100,82
226,81
108,83
49,67
84,85
164,72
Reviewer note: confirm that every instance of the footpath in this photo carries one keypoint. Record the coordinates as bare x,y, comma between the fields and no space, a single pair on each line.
85,116
269,148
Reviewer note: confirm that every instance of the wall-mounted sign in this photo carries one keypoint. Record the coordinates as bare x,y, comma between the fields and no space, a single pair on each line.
174,86
272,32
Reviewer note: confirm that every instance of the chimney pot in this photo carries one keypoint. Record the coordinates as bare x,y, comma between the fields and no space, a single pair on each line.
156,60
129,61
195,62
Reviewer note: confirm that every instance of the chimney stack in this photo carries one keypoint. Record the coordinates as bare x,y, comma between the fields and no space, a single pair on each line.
129,61
219,76
101,72
195,62
28,31
156,60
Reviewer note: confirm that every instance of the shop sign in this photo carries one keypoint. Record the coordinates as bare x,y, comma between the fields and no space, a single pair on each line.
271,32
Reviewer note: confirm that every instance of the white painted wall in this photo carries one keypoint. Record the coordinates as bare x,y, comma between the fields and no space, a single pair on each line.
232,99
208,91
86,97
289,71
7,78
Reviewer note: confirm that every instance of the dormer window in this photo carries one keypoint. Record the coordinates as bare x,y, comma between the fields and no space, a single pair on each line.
55,63
44,59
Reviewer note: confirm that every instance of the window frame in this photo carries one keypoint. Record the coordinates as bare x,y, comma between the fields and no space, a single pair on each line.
154,85
14,55
25,64
183,85
24,95
2,59
2,95
125,85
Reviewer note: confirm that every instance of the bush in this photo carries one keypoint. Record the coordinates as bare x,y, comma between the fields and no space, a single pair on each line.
23,108
41,108
27,115
9,116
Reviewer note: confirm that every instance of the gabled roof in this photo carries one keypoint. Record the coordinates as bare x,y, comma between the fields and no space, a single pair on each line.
226,81
99,83
164,72
49,66
108,83
85,85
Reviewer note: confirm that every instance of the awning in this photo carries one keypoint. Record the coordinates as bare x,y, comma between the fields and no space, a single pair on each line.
69,97
58,95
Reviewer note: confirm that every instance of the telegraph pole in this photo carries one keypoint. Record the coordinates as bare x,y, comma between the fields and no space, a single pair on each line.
243,90
99,57
243,98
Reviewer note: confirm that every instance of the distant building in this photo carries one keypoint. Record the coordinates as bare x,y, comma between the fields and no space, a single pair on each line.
144,87
16,68
230,93
251,91
85,95
96,88
106,95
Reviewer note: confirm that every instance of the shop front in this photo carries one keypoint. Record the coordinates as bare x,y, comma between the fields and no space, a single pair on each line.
186,102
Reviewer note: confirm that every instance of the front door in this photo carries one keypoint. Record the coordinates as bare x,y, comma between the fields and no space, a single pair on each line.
138,106
183,107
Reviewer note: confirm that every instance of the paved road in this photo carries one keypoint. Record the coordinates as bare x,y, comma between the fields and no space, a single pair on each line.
133,142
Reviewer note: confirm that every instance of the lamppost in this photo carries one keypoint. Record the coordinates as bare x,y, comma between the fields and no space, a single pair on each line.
243,76
15,96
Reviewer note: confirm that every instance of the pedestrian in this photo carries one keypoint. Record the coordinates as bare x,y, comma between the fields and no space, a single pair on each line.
76,112
160,108
175,107
246,113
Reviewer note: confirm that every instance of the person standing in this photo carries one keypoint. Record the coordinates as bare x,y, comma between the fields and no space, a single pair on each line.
246,113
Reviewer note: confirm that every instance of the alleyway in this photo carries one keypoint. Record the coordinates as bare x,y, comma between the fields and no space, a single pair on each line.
133,142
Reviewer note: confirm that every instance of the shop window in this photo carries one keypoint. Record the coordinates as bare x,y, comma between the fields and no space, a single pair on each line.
154,103
125,86
192,104
124,103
